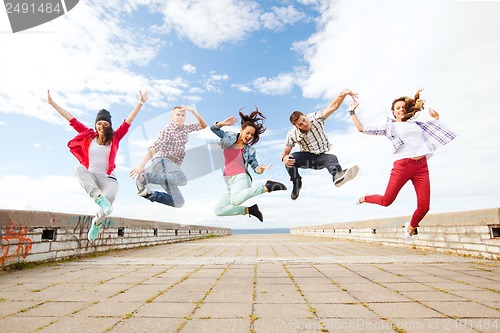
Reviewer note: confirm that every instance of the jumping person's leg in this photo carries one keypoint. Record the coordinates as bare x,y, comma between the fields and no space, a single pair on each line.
339,176
303,160
169,176
94,187
422,186
239,189
399,176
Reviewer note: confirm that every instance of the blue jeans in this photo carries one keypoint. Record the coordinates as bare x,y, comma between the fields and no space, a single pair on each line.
169,176
305,160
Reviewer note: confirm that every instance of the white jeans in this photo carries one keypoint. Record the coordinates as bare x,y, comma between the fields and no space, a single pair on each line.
239,189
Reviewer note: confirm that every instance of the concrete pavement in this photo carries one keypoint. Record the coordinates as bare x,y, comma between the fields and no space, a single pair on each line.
256,283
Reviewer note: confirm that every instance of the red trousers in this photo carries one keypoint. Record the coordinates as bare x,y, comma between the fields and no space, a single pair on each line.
404,170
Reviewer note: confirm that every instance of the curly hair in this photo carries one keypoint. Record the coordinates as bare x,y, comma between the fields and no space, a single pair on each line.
254,119
412,105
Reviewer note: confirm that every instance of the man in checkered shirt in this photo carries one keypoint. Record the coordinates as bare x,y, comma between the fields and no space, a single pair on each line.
309,133
168,152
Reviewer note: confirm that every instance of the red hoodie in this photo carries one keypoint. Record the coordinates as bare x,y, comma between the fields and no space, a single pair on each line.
79,145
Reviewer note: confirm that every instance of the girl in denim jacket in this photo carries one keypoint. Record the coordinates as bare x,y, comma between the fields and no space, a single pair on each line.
239,154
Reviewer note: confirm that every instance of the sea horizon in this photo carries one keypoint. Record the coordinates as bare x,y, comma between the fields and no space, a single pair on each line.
261,231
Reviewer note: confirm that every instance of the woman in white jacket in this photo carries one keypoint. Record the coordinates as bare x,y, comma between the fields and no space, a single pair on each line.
414,142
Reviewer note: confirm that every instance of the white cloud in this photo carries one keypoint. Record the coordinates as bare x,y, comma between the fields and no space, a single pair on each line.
279,17
218,77
196,90
209,24
212,83
279,85
189,69
242,87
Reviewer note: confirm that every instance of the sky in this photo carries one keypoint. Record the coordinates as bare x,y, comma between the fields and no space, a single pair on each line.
223,55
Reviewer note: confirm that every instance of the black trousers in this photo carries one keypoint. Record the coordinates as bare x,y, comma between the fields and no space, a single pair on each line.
304,160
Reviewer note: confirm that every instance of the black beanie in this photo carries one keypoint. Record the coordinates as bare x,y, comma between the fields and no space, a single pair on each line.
103,115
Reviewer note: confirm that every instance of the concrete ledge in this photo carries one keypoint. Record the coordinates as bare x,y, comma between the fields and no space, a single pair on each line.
475,232
29,236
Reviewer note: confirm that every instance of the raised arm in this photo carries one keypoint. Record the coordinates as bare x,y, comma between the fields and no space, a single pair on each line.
337,102
199,118
135,111
68,116
354,117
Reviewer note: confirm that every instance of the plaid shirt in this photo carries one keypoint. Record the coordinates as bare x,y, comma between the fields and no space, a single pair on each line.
172,141
313,141
436,134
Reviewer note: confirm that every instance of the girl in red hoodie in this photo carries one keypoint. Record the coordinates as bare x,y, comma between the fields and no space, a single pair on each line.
96,151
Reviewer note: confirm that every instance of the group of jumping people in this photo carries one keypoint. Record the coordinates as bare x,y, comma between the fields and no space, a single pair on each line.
96,148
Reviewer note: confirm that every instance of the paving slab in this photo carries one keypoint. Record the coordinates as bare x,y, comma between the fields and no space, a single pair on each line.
256,284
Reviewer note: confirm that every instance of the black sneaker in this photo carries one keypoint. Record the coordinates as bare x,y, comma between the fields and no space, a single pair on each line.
296,189
274,186
254,210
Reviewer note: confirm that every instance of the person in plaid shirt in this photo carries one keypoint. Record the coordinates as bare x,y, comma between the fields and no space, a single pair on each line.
414,142
309,133
168,151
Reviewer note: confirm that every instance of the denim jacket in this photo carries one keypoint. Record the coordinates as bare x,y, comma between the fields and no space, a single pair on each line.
227,139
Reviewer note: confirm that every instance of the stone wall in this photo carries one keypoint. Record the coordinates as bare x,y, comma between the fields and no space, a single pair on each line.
29,236
475,232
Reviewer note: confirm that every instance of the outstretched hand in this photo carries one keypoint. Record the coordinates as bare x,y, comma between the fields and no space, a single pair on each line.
49,98
261,168
135,172
228,122
433,113
144,96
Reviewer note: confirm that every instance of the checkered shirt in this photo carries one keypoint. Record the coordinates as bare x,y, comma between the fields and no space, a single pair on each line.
313,141
172,141
436,134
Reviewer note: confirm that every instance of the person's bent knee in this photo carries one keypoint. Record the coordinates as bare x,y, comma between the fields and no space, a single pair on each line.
385,203
236,201
180,179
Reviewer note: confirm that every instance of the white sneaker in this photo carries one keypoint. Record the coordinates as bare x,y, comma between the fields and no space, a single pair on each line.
407,234
140,182
145,192
94,228
346,175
